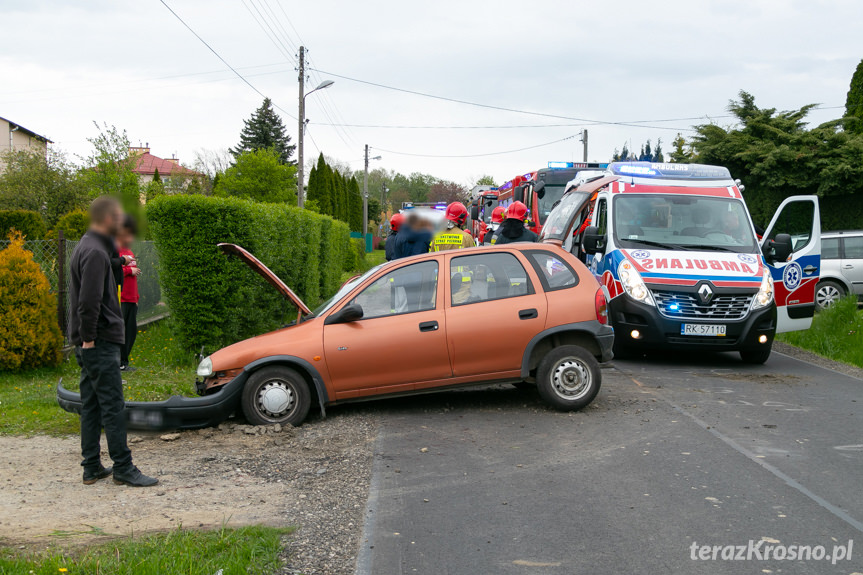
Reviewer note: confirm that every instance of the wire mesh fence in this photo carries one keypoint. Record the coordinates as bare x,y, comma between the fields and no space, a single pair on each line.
53,256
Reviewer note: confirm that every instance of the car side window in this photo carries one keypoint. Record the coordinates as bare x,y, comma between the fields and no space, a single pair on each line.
601,217
853,247
486,277
829,248
408,289
553,272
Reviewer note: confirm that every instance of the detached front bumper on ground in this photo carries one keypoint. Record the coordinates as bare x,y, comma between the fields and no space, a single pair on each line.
175,412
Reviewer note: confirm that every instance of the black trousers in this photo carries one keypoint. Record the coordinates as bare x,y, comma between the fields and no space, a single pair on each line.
102,405
130,320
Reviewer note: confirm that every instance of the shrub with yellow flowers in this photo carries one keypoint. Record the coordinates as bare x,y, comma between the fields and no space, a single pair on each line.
29,334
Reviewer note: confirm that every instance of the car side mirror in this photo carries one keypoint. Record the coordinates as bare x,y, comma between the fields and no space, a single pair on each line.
539,188
474,212
592,241
347,314
518,194
779,248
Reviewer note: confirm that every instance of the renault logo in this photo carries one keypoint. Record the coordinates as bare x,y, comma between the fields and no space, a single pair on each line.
705,294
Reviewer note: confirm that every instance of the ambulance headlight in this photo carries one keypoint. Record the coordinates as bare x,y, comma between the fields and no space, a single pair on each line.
205,368
632,283
765,292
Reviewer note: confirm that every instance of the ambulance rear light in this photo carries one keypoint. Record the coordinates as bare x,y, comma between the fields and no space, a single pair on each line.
601,307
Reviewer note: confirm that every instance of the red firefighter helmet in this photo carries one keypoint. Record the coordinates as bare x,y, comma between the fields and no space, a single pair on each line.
497,215
396,221
456,212
516,211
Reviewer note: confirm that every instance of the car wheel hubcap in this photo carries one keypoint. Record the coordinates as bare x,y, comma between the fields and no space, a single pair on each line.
276,398
570,379
827,296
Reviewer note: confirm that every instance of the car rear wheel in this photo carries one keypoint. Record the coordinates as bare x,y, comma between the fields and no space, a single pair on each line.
568,378
756,356
276,395
827,293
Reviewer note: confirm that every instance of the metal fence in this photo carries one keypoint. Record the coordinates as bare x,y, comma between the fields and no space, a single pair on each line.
53,256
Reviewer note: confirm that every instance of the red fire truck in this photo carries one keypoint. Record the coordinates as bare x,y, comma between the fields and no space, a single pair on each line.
481,206
542,189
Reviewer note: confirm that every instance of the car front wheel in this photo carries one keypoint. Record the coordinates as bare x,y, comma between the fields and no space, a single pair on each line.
276,395
827,293
568,378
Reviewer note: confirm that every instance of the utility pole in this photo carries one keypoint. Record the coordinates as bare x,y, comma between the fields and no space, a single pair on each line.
366,196
584,141
302,129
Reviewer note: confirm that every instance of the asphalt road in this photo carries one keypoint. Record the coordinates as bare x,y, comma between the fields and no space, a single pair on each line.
675,450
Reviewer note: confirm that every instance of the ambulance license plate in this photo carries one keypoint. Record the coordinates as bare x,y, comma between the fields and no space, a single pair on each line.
709,329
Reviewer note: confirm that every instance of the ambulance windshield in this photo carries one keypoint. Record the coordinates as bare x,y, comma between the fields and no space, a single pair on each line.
681,221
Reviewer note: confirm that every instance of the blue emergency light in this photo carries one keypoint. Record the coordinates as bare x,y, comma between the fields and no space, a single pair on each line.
670,171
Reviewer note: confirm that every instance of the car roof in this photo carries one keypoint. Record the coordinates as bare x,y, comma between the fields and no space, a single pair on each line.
842,233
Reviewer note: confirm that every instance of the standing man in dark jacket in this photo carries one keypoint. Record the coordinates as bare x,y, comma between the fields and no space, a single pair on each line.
96,330
512,229
390,247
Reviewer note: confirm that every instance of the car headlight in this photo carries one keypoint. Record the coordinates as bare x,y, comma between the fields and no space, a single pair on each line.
205,368
765,292
632,283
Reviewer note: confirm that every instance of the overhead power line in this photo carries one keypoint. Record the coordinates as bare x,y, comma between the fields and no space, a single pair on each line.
478,155
225,62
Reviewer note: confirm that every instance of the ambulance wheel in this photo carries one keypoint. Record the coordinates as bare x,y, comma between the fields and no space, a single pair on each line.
568,378
276,395
756,356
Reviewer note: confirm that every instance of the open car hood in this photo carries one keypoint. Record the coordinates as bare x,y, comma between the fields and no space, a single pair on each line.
266,273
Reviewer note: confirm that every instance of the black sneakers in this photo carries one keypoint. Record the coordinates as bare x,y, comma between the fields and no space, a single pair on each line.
134,478
92,476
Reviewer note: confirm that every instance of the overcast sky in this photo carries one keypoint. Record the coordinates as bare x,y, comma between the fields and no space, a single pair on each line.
66,64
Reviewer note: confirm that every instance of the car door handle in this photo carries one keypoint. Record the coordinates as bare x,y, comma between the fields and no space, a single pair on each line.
847,267
527,314
810,270
429,326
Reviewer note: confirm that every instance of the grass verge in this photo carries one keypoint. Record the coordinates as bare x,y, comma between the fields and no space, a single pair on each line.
245,550
28,402
836,333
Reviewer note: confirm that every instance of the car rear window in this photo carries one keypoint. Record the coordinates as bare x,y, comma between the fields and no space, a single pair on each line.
553,272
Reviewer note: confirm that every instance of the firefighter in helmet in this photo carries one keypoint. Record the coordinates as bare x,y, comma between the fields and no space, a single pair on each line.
496,220
455,237
395,224
512,229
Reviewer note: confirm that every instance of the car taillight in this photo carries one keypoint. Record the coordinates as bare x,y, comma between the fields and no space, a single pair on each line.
601,307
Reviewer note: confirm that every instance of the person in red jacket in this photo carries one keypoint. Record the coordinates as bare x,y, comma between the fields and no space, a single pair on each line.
129,291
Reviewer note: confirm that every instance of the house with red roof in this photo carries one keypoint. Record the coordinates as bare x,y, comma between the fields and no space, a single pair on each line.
146,166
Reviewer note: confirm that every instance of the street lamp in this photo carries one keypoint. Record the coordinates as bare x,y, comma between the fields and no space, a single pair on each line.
302,122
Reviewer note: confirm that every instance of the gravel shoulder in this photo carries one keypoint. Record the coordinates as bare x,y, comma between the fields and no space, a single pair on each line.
315,477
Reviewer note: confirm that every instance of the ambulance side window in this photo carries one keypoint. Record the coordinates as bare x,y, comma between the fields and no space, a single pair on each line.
796,220
601,216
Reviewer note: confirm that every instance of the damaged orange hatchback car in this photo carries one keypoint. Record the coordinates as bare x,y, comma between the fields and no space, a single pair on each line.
520,313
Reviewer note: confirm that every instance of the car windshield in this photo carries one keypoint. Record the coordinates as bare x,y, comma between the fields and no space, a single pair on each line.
343,291
487,208
679,221
552,195
559,222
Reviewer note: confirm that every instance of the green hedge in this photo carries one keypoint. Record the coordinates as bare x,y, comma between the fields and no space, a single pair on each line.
216,300
27,222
